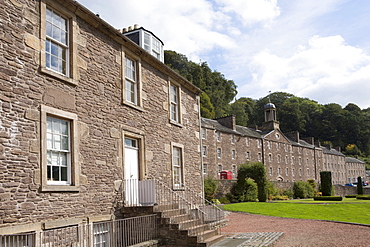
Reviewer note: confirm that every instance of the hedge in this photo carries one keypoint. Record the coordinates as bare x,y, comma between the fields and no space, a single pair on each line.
362,197
351,196
328,198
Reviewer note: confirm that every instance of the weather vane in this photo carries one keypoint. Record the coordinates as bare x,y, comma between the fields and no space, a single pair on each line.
269,97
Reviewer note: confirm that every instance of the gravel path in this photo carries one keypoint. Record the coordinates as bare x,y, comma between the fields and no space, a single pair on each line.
300,232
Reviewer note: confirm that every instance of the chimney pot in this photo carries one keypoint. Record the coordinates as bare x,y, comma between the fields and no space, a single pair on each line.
136,26
130,28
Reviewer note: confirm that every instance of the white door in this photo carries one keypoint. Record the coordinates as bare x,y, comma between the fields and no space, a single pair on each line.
131,170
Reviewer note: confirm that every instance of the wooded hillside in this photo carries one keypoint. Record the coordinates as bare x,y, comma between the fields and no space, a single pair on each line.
347,127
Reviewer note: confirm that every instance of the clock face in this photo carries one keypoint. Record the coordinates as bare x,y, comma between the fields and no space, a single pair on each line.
277,136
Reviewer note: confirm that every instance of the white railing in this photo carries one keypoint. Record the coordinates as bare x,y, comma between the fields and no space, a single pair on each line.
117,233
155,192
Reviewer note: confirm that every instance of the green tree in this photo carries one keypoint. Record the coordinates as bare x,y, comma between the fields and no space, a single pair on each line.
220,91
257,172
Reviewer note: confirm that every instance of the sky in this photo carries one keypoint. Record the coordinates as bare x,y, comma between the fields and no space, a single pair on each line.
313,49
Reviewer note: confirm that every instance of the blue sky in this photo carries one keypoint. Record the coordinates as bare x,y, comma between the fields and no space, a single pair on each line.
315,49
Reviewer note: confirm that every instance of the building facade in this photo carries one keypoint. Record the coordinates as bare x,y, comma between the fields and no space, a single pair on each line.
286,156
85,114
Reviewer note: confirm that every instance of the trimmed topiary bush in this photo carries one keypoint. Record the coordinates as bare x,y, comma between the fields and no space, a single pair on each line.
328,198
360,187
326,183
350,196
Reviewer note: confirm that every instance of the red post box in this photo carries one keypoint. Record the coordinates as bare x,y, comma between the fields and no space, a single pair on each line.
226,175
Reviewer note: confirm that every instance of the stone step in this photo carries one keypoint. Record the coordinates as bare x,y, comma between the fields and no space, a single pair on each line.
188,224
196,230
171,213
210,233
211,241
180,218
163,207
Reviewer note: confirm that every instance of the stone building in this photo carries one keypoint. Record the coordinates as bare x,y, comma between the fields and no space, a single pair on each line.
355,169
286,156
86,115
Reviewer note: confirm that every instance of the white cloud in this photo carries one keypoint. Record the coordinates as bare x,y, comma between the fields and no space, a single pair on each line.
251,11
327,69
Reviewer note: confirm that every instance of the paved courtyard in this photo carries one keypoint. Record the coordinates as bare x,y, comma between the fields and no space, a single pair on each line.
258,230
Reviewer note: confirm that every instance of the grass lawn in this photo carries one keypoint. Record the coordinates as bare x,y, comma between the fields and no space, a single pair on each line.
348,210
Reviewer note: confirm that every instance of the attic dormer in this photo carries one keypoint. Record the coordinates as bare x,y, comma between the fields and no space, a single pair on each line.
146,40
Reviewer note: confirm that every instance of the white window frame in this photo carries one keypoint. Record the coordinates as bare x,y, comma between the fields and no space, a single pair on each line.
247,141
204,133
152,45
233,154
232,138
177,165
218,136
205,151
219,153
134,79
259,157
205,168
233,169
58,146
219,168
175,103
73,162
70,74
248,156
131,94
61,44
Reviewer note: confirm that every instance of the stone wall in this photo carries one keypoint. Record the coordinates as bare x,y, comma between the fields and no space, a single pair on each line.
94,95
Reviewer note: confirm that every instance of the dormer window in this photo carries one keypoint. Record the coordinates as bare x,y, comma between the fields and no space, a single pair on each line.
146,40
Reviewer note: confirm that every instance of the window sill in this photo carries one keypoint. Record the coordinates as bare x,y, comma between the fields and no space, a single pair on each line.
60,188
58,76
136,107
176,123
179,188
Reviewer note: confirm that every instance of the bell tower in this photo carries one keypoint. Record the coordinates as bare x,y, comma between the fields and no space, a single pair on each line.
271,122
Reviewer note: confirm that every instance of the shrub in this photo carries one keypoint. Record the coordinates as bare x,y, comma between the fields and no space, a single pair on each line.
328,198
224,200
279,198
303,189
215,201
363,197
360,187
326,183
288,193
350,196
312,183
244,191
271,189
210,187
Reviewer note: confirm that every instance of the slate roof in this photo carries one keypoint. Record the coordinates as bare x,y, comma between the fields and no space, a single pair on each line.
332,151
240,130
354,160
